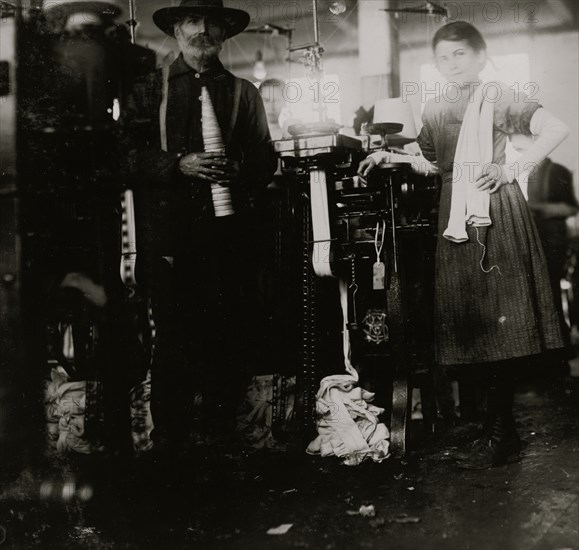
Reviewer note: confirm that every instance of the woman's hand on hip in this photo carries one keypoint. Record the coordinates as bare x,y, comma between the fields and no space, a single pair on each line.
492,178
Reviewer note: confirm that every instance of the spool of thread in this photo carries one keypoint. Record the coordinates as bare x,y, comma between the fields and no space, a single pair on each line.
68,490
213,143
85,493
46,489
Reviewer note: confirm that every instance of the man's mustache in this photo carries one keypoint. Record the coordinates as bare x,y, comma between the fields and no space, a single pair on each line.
203,41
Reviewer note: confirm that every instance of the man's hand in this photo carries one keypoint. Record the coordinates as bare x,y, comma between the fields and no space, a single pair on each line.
231,173
211,167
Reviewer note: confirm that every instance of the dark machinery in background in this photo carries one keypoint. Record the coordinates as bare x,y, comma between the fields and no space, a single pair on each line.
392,217
62,300
64,310
332,218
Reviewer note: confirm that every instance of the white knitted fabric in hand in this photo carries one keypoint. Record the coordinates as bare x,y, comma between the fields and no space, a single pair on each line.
213,143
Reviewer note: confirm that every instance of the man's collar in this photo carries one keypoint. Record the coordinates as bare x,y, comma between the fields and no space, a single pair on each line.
179,67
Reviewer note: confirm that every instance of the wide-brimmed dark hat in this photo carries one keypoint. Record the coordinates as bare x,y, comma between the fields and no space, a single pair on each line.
235,20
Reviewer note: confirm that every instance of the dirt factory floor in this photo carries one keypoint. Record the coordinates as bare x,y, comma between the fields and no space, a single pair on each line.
226,501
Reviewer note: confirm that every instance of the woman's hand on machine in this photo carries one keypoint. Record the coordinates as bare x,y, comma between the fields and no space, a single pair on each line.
366,166
492,178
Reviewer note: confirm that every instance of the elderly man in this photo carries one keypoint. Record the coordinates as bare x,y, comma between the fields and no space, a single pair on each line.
195,221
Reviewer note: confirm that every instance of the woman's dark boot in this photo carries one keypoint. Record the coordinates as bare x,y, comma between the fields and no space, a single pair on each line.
500,443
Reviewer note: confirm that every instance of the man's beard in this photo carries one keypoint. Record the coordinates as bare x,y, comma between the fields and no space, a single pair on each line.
205,48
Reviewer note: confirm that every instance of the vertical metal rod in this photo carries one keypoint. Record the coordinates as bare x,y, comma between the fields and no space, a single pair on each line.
394,240
289,54
316,22
133,21
394,77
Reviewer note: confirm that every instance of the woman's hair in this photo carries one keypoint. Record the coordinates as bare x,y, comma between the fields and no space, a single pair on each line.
460,30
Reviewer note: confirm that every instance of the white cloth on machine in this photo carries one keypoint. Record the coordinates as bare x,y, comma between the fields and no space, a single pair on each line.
348,425
320,224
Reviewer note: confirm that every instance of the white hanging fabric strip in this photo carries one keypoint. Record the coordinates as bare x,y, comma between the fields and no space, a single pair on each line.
343,286
320,224
68,343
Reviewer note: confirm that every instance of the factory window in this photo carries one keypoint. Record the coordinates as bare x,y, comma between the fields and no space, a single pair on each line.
305,98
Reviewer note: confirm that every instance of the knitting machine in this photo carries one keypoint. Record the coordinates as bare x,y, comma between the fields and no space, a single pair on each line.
62,175
378,236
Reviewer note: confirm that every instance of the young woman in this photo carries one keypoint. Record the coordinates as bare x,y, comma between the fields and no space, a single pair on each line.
493,298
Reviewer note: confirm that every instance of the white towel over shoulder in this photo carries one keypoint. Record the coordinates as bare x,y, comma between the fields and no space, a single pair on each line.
474,151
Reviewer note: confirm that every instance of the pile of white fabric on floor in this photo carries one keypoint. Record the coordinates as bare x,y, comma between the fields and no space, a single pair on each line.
348,425
65,404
